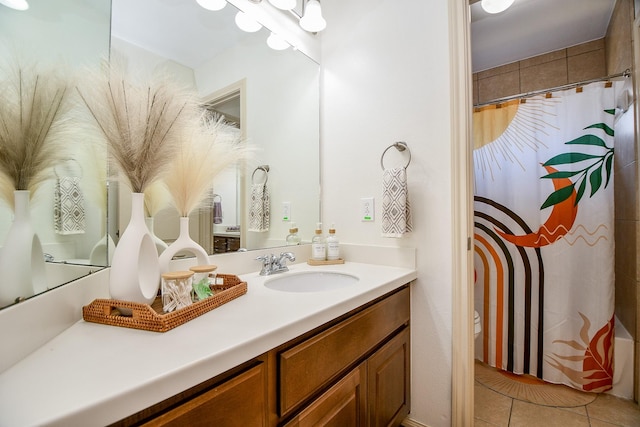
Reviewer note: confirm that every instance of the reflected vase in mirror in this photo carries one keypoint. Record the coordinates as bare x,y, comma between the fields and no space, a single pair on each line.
184,243
22,265
135,271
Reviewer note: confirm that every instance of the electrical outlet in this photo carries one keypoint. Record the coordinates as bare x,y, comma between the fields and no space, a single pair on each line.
286,211
367,209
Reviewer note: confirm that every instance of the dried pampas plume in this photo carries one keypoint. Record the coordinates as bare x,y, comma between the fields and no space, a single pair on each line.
34,127
156,198
142,123
207,151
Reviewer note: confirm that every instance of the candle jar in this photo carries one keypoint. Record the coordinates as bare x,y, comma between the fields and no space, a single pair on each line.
204,276
176,290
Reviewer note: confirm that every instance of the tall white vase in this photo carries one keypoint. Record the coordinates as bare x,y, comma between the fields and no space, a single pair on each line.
22,267
135,272
160,244
183,243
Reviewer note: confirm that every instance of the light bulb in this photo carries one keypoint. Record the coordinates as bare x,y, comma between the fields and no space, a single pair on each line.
276,42
247,23
496,6
16,4
283,4
212,4
312,20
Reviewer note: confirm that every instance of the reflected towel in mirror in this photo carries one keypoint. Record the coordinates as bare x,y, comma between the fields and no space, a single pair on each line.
68,209
396,213
259,208
217,212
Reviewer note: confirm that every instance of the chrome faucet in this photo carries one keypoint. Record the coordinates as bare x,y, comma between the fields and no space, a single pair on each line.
272,264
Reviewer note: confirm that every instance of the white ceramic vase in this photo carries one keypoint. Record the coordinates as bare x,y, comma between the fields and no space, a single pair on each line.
160,244
102,252
135,272
183,243
22,266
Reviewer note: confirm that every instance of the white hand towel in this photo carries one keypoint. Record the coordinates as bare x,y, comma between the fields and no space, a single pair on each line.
259,213
396,213
68,210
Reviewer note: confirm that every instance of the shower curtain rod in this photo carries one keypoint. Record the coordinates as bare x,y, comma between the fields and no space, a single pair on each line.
625,73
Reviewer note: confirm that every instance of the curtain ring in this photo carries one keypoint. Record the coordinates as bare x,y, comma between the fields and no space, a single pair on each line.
265,169
400,146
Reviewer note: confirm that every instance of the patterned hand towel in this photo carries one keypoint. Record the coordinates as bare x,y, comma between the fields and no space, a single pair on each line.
259,208
68,209
396,214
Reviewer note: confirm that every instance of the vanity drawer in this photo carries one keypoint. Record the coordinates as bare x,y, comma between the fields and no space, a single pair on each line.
310,366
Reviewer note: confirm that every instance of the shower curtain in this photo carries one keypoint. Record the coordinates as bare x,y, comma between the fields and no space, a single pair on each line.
544,237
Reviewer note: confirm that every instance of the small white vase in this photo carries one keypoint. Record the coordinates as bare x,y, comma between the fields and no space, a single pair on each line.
183,243
135,272
22,266
160,244
102,252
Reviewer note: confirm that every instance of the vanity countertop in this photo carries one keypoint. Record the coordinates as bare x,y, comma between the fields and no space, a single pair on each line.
94,374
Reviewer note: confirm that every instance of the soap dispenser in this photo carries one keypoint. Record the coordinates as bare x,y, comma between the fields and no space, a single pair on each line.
293,238
318,245
333,245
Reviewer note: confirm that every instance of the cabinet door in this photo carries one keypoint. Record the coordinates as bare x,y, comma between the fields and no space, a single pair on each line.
388,382
342,405
239,402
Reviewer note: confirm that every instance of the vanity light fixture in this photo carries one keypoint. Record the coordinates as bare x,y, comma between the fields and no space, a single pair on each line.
276,42
283,4
247,23
312,19
16,4
496,6
212,4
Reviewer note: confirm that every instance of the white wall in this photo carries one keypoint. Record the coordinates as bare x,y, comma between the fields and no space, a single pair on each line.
385,78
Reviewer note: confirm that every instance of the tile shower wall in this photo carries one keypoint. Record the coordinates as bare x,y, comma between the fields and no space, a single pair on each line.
574,64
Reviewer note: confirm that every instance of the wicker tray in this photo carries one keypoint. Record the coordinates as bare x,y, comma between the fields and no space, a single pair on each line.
152,318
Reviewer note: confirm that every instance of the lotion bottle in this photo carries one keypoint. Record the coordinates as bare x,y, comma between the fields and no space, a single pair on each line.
293,238
318,245
333,245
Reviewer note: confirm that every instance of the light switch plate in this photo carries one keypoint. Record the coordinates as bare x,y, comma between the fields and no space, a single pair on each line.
286,211
367,209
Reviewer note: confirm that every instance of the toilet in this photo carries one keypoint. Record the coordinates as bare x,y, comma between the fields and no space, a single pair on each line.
477,327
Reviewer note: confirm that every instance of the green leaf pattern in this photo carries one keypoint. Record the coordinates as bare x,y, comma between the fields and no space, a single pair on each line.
593,172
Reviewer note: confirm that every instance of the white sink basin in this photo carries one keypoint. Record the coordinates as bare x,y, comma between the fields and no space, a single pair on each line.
311,281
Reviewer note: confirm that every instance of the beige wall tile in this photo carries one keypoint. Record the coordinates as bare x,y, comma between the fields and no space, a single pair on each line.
626,241
625,141
586,47
625,307
498,86
586,66
543,76
619,51
541,59
503,69
626,193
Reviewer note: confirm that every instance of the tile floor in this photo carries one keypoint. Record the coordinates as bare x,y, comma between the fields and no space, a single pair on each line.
514,406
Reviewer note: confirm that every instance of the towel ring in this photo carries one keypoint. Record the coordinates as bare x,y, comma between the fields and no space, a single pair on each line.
55,168
218,196
400,146
265,169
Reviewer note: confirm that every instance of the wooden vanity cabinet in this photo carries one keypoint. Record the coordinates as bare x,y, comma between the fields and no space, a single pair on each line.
352,371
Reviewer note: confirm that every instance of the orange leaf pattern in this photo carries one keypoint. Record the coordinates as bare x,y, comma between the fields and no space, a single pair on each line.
596,355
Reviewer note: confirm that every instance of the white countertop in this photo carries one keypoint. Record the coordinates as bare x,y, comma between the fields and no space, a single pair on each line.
94,374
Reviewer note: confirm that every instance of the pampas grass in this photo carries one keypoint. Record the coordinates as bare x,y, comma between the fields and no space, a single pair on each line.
34,128
156,198
142,123
208,150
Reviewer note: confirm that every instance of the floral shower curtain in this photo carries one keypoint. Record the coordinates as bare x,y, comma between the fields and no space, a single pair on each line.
544,237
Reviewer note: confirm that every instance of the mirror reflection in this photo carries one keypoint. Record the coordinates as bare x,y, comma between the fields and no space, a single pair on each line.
67,209
272,96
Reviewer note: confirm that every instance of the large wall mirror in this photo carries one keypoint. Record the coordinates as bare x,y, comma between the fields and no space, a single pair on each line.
65,35
271,95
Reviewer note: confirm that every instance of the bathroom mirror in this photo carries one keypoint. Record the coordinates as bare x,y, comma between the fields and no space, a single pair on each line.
67,35
273,94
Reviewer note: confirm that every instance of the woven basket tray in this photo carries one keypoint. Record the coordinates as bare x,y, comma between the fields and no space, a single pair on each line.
152,318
